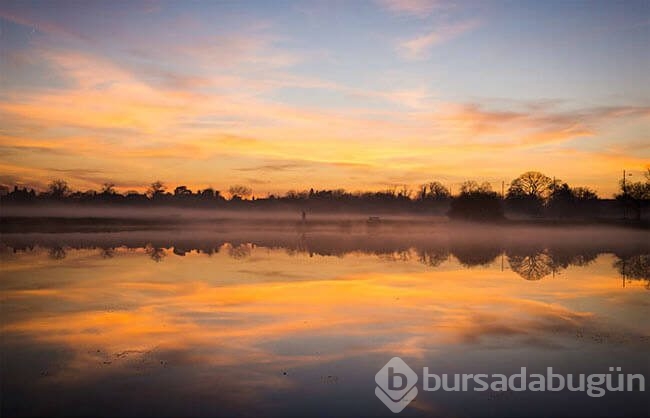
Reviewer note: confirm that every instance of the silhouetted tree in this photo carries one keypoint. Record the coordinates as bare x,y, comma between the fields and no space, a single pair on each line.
108,188
238,192
527,193
182,191
20,195
561,201
58,189
404,192
635,195
470,186
476,202
207,194
433,191
531,183
157,188
584,194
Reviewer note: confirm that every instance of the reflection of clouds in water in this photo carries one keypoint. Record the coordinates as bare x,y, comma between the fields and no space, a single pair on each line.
210,321
201,311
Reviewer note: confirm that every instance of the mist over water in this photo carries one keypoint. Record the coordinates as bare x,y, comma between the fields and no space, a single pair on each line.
293,318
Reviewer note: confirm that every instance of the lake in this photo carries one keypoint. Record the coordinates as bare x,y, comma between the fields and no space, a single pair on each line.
298,320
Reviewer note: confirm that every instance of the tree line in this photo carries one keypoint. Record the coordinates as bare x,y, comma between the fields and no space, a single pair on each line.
532,194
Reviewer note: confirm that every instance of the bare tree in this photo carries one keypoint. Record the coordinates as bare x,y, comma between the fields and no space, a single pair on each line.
239,192
470,186
438,191
433,190
532,184
58,188
404,191
108,188
584,193
156,188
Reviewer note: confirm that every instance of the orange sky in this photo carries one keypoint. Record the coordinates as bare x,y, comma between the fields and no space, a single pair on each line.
239,96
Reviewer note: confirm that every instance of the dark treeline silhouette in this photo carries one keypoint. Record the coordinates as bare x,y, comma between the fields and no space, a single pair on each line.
532,194
476,202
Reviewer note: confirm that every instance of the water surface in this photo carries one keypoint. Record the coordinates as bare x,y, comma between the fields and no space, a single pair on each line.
298,321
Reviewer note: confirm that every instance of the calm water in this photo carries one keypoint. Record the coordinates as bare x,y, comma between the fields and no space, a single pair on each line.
298,322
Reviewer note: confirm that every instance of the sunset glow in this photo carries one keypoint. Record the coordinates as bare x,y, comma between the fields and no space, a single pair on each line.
357,95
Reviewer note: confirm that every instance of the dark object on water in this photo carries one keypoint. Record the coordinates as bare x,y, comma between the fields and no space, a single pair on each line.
304,216
373,220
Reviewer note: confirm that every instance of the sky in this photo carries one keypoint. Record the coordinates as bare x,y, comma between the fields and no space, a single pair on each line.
360,95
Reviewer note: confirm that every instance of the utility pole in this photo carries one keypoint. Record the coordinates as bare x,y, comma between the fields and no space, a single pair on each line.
503,185
624,208
624,273
625,195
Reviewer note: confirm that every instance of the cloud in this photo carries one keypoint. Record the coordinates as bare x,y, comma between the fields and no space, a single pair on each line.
193,126
273,167
417,8
419,47
37,24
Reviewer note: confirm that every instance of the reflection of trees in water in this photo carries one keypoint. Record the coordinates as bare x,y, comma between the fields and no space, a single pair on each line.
57,253
636,267
531,262
157,254
208,250
563,258
302,246
404,255
107,252
475,255
240,251
536,263
433,257
533,266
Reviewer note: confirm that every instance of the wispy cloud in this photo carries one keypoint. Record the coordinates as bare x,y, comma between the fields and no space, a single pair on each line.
274,167
419,47
198,104
418,8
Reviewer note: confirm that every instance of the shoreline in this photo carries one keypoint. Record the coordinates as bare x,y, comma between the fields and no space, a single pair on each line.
56,224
